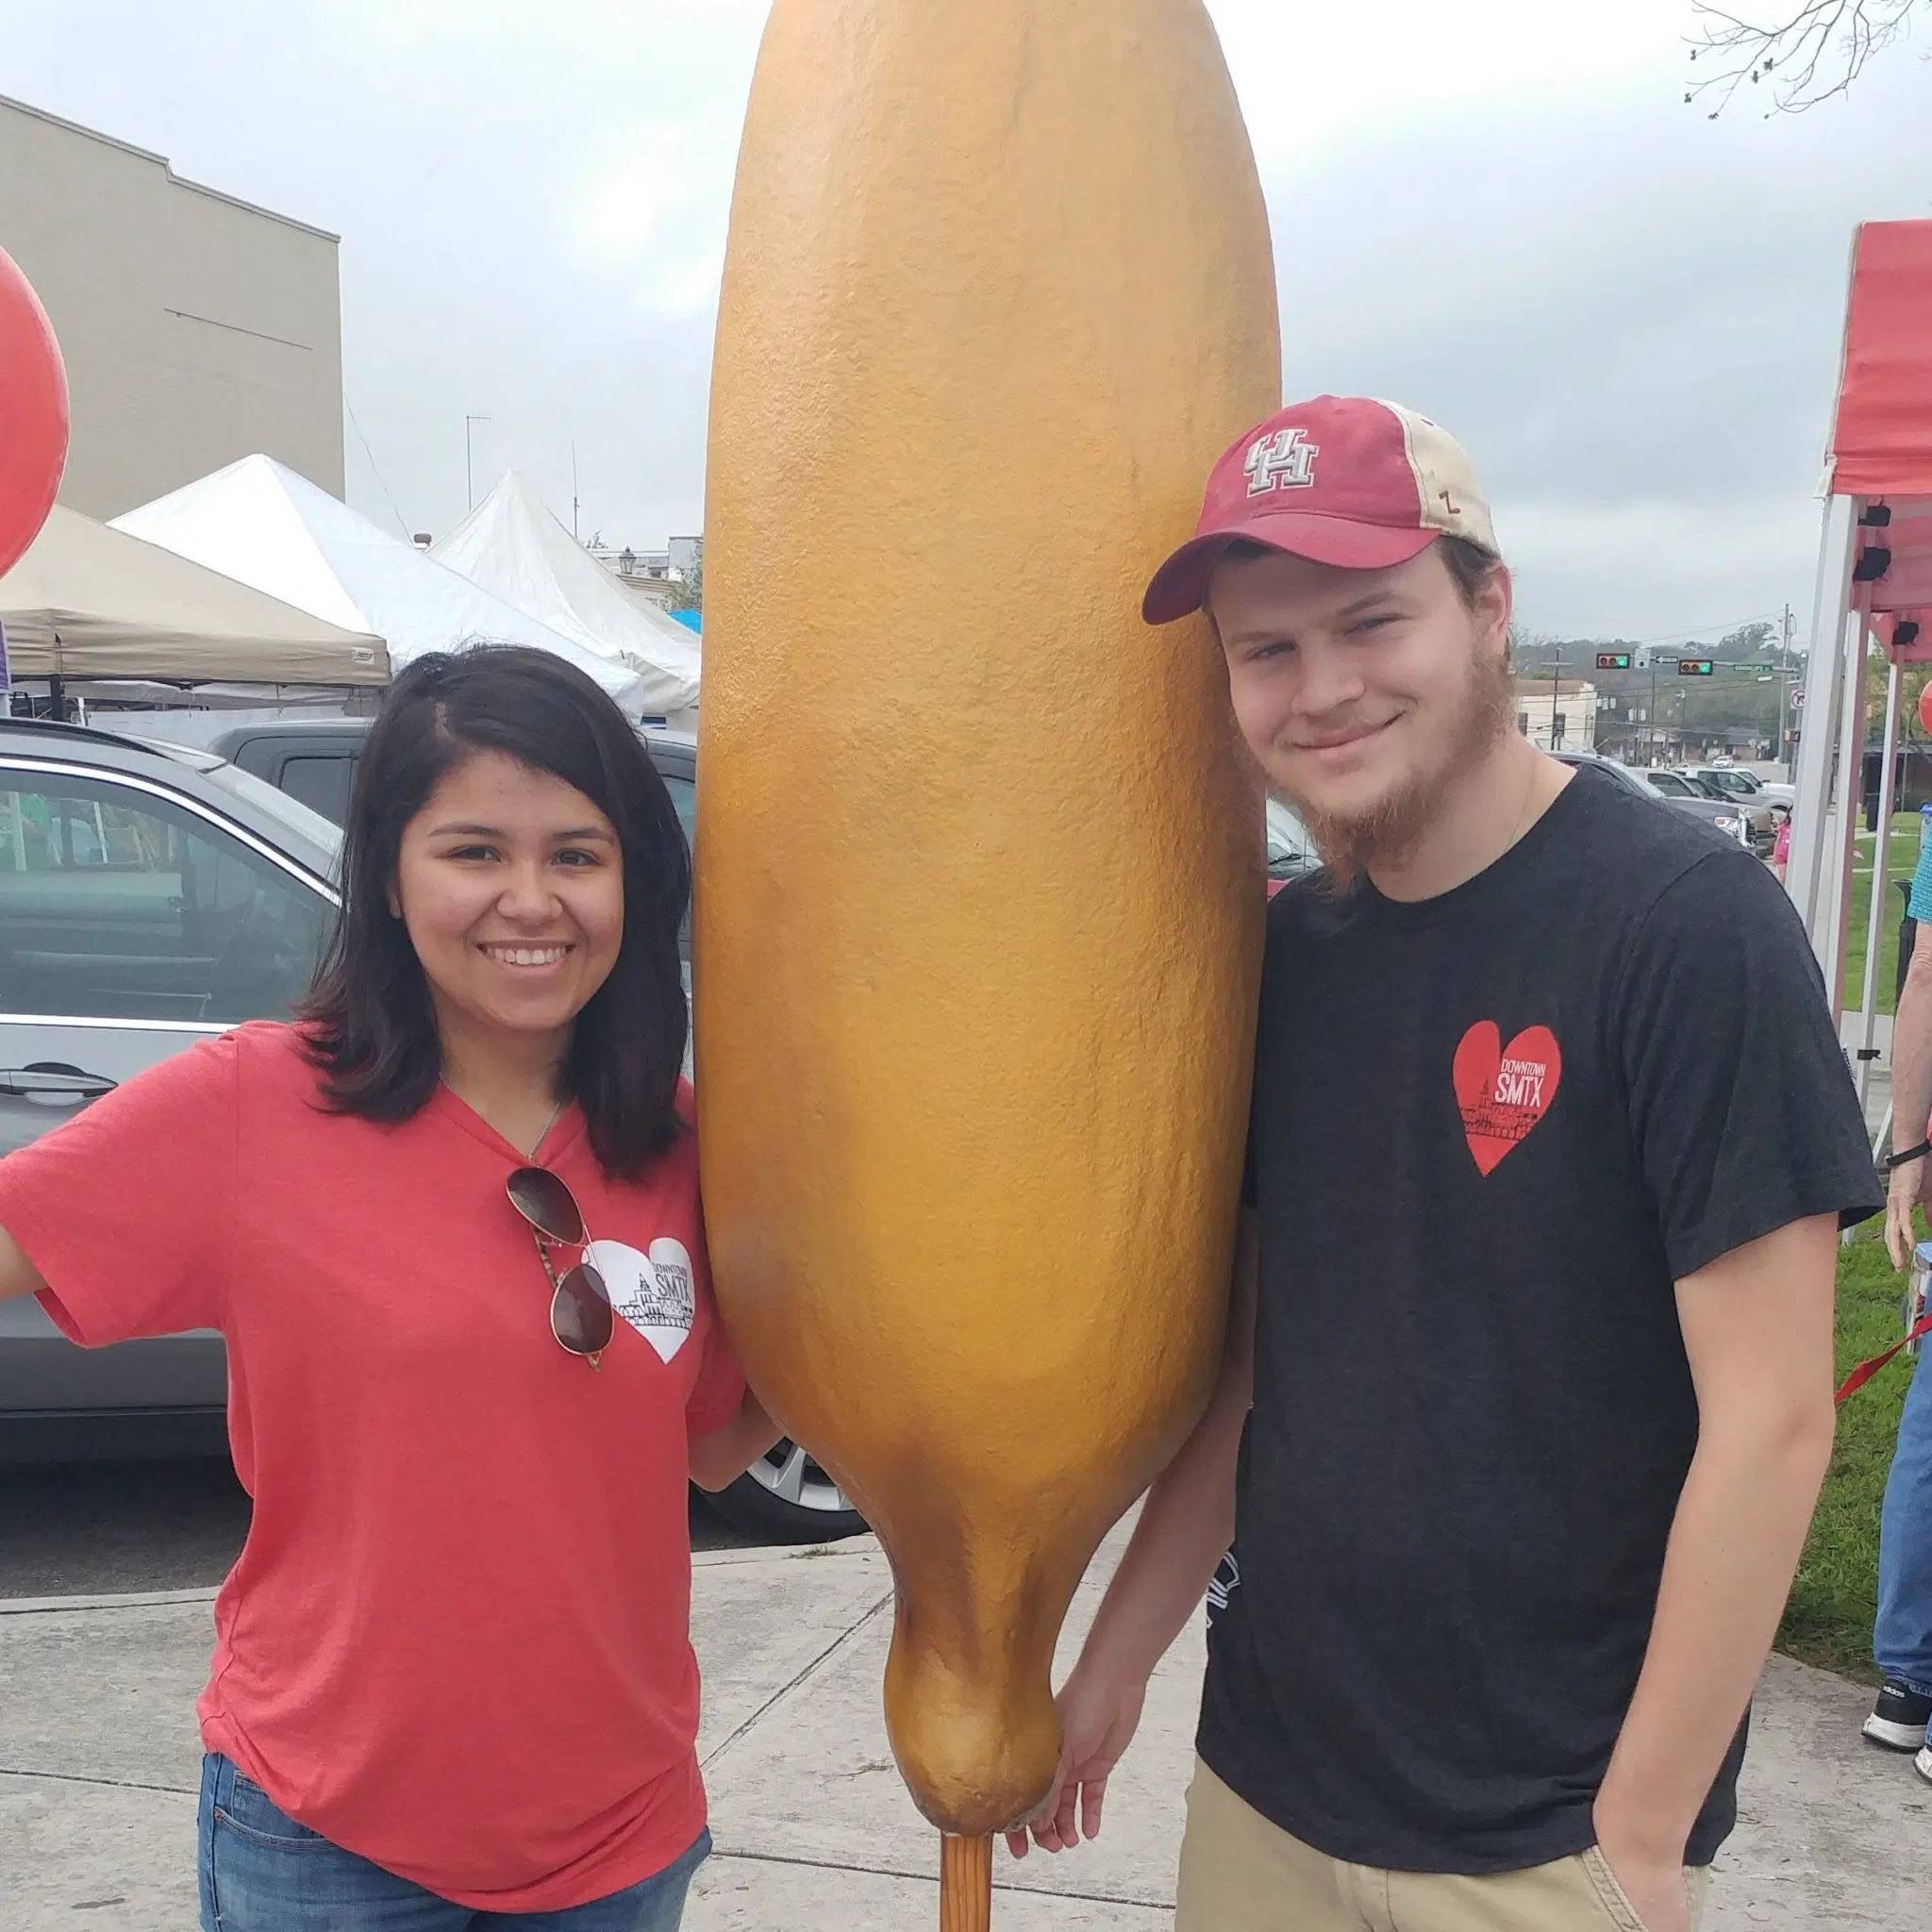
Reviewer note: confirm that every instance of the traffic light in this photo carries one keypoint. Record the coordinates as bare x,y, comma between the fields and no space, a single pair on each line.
1613,660
1693,667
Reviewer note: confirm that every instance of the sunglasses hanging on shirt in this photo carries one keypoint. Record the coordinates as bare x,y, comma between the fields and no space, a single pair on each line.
580,1313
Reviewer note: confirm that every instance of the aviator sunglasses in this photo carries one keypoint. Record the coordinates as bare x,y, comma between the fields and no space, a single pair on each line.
580,1312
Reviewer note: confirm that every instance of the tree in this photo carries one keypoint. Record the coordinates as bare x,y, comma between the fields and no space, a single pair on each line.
1818,50
688,591
1749,641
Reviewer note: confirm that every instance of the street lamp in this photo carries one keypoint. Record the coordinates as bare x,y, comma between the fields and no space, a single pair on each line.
469,484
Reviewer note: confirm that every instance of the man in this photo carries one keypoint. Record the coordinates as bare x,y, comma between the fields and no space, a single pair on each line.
1901,1637
1551,1143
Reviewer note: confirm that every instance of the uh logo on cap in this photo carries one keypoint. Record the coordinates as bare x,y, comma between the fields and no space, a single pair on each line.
1285,460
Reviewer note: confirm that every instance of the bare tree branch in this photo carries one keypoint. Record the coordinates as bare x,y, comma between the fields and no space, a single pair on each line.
1816,52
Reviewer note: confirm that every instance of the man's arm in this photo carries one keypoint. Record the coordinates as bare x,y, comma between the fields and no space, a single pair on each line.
17,1275
1758,1329
1911,1098
1187,1523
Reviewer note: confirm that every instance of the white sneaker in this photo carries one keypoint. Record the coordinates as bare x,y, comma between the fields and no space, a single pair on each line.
1922,1764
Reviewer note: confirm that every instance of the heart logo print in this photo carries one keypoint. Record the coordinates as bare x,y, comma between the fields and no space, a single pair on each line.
653,1293
1503,1091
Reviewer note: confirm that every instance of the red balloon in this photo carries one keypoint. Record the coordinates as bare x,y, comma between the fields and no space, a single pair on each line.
33,414
1925,707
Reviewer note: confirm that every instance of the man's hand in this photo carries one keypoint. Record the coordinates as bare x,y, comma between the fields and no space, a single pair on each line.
1902,1193
1097,1723
1654,1884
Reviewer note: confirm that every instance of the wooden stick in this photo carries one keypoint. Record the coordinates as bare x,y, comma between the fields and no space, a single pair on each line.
965,1885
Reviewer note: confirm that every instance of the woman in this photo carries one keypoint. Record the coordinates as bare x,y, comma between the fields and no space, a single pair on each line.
448,1222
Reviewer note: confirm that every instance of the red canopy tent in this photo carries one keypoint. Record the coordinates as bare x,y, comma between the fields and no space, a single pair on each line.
1874,573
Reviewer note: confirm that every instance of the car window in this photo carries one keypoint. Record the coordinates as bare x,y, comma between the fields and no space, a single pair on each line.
116,904
684,795
1669,785
323,833
322,784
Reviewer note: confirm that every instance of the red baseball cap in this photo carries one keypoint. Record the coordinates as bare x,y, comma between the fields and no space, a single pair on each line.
1347,481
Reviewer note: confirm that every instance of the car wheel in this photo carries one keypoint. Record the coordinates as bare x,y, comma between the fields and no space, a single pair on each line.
787,1498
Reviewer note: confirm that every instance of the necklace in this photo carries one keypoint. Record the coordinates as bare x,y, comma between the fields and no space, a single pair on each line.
556,1115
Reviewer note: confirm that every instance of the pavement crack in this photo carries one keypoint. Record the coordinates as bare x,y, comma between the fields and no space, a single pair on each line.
117,1784
1092,1898
785,1691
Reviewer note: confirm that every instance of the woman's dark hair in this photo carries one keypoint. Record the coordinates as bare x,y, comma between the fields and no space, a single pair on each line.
368,1024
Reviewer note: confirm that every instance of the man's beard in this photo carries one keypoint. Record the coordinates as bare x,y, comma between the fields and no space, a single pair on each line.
1349,843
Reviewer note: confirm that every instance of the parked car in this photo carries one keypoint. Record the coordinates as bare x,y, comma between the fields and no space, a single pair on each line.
1291,851
1679,798
1745,785
1761,820
152,894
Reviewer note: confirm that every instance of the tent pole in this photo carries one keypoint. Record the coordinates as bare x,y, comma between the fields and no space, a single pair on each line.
1811,823
1880,907
1854,699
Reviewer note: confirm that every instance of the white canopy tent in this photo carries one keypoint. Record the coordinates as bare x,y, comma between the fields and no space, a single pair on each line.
263,524
90,602
514,547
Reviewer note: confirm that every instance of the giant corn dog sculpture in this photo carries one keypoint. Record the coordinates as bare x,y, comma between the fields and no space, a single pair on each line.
979,885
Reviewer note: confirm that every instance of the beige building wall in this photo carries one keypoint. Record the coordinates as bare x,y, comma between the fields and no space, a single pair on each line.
195,328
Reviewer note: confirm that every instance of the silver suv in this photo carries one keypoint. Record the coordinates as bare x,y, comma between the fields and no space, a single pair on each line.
149,897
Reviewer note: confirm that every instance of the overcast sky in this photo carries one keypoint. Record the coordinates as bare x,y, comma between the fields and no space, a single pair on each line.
1630,315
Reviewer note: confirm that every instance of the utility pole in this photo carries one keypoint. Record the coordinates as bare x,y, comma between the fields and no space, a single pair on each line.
469,468
1784,692
1555,691
1650,716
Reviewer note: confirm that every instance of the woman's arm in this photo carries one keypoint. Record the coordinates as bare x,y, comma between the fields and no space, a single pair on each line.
720,1455
17,1275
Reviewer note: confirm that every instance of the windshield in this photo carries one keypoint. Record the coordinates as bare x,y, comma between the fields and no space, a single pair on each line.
1287,839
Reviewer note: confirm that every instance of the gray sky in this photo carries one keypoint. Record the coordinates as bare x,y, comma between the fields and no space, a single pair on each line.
1631,315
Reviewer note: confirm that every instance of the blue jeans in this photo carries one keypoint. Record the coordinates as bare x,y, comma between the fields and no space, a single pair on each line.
1901,1641
261,1872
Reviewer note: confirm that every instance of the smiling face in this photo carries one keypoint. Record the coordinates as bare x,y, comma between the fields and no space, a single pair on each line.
1364,694
510,883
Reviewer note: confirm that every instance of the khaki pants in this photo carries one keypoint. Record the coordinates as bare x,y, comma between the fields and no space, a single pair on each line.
1242,1873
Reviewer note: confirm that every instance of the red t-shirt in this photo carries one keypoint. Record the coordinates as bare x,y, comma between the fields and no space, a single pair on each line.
457,1640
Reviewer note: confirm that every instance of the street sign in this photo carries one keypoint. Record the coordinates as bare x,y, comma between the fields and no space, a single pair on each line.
1797,696
1751,667
1694,667
1613,660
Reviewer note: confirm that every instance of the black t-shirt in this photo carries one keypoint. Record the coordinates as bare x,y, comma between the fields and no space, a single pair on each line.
1491,1131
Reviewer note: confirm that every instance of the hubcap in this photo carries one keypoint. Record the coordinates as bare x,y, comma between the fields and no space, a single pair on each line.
786,1471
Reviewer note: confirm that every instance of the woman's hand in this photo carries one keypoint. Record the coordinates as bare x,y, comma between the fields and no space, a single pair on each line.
720,1455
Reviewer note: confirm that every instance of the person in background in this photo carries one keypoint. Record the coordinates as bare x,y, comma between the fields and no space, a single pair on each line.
1902,1633
1781,850
448,1225
1526,1397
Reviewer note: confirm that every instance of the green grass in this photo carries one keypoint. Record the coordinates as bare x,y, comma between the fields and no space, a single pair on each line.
1902,858
1829,1619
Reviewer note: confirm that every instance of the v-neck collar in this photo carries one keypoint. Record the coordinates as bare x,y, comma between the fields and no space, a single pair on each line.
562,1133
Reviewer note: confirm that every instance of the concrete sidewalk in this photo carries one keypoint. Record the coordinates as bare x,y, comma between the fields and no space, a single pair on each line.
98,1767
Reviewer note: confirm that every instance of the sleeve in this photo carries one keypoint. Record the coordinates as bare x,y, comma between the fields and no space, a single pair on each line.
1742,1112
126,1208
720,1386
1920,903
